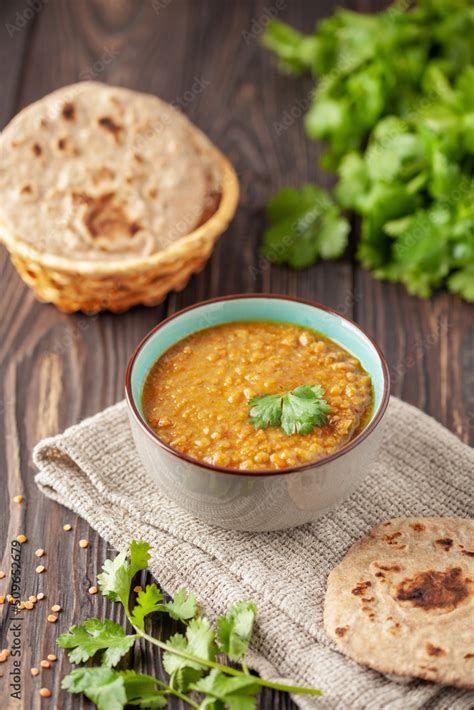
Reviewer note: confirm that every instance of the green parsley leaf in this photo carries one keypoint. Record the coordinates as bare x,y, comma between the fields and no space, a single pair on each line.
229,692
198,641
235,630
112,690
306,226
96,635
297,412
148,601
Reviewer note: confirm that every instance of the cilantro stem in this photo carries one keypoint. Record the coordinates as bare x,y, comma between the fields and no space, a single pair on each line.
179,695
245,667
225,669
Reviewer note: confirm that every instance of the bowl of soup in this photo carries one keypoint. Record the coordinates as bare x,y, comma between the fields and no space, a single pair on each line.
257,412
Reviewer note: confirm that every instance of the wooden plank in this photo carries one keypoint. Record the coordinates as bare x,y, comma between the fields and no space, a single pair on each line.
429,346
204,56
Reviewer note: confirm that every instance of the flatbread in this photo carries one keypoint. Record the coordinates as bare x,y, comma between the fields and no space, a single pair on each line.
402,600
97,173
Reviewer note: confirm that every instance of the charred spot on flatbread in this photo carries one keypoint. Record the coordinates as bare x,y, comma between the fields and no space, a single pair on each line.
446,543
68,111
108,124
434,589
105,217
433,650
361,588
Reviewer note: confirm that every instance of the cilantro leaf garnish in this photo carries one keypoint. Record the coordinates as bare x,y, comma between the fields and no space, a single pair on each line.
235,630
189,657
297,412
199,642
306,226
182,607
95,635
233,693
117,574
112,690
148,601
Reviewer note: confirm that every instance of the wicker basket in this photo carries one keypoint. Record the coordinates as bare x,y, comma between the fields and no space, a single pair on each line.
116,286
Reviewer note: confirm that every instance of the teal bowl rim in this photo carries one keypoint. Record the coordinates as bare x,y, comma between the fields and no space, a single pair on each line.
263,472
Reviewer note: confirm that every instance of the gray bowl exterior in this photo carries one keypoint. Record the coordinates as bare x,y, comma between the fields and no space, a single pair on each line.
256,502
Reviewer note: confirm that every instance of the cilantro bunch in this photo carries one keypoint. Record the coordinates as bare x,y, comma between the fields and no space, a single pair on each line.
394,103
189,657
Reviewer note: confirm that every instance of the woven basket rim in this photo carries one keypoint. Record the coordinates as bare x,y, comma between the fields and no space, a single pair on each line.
215,225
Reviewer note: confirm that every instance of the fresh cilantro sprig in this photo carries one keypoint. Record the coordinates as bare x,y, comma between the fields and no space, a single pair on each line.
394,105
189,657
297,411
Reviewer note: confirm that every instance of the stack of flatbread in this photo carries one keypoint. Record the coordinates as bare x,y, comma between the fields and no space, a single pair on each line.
109,191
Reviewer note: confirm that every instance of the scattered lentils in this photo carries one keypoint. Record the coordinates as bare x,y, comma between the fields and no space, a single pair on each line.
56,608
22,539
45,693
92,590
34,671
40,596
40,569
52,657
137,589
18,499
45,664
52,618
39,552
2,600
28,605
67,527
83,543
2,574
32,599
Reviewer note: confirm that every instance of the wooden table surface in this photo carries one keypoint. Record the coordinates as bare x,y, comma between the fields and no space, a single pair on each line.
203,55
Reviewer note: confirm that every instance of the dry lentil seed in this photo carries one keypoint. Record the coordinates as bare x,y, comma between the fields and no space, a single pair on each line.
40,569
56,608
34,671
52,657
18,499
92,590
83,543
22,539
45,692
52,618
137,589
2,574
28,605
40,596
32,599
39,552
45,664
67,527
2,600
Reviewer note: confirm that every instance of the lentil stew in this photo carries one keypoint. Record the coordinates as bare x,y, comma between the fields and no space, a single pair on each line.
196,395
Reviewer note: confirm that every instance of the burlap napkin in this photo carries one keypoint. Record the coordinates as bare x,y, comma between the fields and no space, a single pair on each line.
422,470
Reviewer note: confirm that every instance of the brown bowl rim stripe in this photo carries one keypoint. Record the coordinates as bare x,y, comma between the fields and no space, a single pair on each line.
264,472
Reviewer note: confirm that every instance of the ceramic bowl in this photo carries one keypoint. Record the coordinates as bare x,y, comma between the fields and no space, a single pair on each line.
251,500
